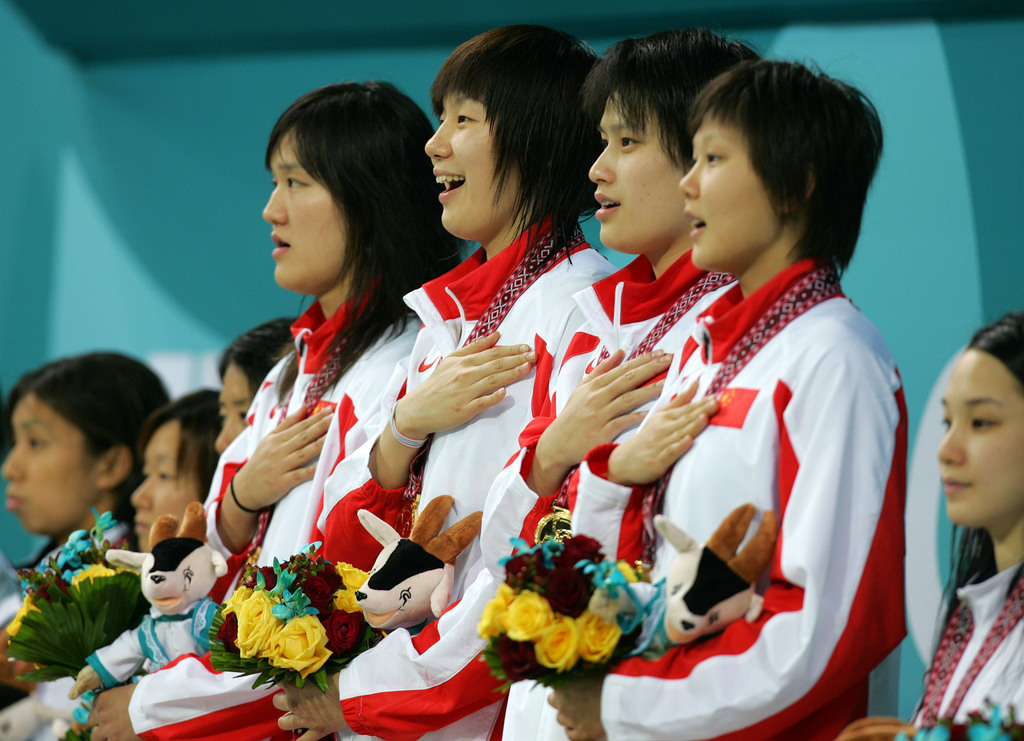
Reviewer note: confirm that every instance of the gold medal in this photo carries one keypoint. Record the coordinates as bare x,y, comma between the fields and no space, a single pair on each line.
556,526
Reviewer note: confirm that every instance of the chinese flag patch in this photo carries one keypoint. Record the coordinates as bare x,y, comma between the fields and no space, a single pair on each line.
733,405
321,405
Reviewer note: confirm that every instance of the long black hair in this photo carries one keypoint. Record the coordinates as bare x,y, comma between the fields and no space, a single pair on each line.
364,143
974,557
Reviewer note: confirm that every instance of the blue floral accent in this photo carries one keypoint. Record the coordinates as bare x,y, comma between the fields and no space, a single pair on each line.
104,523
295,604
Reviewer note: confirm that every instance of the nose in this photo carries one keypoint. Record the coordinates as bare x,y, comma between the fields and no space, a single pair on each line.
439,145
688,183
951,451
10,469
224,438
360,596
273,212
599,171
139,496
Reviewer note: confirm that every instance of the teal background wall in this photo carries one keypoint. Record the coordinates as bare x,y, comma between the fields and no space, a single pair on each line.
132,192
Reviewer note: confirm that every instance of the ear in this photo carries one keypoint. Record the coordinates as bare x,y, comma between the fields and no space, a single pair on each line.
674,535
113,466
382,532
730,533
443,591
751,562
194,523
449,544
164,527
220,566
126,559
430,521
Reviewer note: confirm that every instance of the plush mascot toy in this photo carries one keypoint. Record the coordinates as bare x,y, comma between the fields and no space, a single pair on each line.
176,577
411,580
707,586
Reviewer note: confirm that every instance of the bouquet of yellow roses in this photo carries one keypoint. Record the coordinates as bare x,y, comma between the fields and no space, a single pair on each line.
292,622
74,604
549,620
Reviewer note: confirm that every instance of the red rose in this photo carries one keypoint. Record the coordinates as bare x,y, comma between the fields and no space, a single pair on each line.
568,591
519,660
320,593
517,570
228,633
344,629
580,548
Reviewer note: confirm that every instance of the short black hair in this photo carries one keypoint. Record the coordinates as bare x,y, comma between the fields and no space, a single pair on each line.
364,143
654,79
528,79
107,396
257,351
199,416
1004,340
814,142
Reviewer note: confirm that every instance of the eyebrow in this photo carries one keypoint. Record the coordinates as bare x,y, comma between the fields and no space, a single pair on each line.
977,401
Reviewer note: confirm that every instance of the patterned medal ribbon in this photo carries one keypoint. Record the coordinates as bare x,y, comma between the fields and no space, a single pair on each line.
324,377
708,283
951,650
533,265
817,286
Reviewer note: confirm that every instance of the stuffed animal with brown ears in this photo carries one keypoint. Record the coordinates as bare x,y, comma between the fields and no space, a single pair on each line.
710,586
177,575
411,581
707,586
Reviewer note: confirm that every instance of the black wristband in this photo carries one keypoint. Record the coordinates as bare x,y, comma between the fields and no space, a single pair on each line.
239,504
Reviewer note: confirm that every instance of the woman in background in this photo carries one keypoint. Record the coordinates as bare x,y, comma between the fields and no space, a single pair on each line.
73,424
242,367
179,459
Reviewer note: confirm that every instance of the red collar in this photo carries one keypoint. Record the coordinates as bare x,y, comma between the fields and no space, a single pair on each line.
732,315
643,295
475,281
317,332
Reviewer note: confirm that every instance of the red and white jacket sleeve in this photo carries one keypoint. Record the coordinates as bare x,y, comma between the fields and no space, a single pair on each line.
833,605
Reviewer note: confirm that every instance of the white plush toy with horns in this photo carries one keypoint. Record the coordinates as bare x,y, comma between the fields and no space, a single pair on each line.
176,578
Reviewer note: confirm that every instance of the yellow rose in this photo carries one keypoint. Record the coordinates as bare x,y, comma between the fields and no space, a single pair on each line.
492,622
236,600
557,646
598,639
628,571
353,579
256,624
528,615
96,571
300,645
26,607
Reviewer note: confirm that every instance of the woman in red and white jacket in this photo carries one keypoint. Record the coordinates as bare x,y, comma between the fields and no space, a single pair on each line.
341,157
811,425
512,151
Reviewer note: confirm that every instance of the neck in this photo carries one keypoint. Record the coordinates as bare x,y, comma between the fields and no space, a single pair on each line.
1008,546
493,246
664,259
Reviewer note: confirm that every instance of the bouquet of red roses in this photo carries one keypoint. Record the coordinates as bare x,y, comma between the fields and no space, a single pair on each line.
550,620
292,622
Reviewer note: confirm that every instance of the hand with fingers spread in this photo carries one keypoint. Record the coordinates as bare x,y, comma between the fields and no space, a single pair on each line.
597,412
579,708
310,710
282,460
665,437
465,383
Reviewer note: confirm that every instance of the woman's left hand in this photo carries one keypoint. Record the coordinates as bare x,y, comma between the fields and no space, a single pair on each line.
317,713
110,715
